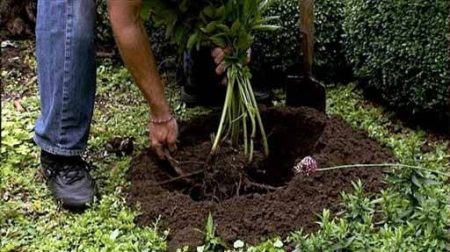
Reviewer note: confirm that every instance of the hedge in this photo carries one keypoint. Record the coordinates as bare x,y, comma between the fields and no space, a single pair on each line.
400,50
280,51
331,64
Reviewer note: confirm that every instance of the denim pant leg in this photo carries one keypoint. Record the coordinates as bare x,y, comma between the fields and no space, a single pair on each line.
65,51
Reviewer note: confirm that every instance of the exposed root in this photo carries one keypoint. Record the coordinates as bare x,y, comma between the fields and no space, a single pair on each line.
187,175
262,186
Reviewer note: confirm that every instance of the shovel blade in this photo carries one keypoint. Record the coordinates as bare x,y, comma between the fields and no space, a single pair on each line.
305,92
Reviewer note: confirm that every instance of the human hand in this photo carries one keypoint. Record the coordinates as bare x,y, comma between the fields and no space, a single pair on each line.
163,134
219,54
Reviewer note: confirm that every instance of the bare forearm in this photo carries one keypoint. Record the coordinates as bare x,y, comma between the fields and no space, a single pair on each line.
135,49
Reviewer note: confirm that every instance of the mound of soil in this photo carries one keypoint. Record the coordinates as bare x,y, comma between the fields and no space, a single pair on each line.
258,200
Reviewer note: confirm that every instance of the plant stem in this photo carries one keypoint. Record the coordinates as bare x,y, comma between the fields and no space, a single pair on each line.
251,112
240,104
258,118
228,98
382,165
244,126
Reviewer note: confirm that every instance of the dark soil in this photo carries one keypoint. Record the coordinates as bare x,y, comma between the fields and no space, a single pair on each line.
13,61
260,200
17,19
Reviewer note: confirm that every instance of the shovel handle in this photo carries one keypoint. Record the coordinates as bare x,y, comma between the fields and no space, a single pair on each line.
307,30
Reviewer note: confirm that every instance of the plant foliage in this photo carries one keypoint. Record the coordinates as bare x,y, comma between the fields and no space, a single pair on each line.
230,25
400,49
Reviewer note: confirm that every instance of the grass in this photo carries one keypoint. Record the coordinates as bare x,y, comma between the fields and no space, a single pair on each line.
30,221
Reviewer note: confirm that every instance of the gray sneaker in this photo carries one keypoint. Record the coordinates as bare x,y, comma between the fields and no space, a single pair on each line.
69,180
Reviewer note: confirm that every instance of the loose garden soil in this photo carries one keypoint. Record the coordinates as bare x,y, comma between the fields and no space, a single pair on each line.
260,200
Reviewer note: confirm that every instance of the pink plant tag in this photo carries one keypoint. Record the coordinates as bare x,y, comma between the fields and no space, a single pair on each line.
306,166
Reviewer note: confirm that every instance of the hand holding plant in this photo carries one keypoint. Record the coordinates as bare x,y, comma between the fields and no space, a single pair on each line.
229,24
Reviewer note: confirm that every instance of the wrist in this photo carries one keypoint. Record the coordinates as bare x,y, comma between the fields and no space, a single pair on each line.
162,121
161,112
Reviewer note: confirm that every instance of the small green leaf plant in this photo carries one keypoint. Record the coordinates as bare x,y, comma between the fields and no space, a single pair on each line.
212,242
231,25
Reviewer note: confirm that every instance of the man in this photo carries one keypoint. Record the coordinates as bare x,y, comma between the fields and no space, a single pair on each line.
66,76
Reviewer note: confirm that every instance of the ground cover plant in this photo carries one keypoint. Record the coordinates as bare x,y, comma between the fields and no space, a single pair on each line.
410,214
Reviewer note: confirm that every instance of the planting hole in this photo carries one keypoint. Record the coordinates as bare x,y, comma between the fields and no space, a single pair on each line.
192,171
263,198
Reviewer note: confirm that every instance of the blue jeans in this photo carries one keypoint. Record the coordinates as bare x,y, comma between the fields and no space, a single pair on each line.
65,51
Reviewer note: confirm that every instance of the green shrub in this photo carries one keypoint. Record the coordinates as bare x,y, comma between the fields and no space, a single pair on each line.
280,51
330,61
400,49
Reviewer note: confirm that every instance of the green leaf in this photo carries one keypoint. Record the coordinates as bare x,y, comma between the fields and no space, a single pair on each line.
416,181
211,27
146,8
223,27
210,231
193,40
235,27
266,27
247,7
209,11
219,12
184,6
218,41
245,41
114,234
265,4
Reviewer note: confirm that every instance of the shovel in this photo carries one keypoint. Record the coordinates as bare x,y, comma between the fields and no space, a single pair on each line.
303,89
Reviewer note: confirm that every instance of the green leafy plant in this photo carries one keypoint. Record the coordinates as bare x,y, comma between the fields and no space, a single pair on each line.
212,242
407,215
399,50
279,52
230,25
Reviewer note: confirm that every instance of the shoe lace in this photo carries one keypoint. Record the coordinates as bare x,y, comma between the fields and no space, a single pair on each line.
76,171
71,171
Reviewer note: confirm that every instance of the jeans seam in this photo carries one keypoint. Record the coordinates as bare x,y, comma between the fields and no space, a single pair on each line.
56,150
67,64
